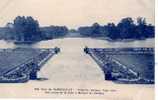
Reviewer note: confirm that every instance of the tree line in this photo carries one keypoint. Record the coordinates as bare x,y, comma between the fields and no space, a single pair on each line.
52,32
125,29
28,29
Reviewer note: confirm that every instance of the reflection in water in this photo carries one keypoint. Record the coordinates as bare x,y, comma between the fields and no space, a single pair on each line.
80,42
93,43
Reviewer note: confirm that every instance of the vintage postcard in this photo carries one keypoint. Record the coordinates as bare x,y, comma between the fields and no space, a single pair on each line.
78,49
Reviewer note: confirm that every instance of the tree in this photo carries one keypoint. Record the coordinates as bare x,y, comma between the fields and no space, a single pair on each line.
51,32
85,31
112,31
126,28
150,30
141,26
143,29
95,29
26,29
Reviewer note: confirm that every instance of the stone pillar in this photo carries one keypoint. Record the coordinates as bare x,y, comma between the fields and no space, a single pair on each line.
108,76
33,72
33,75
86,50
108,71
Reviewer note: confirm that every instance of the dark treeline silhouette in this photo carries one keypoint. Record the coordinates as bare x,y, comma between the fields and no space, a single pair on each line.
125,29
6,33
28,29
25,29
22,29
51,32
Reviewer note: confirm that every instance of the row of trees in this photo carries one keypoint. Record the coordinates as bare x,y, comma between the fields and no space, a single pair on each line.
125,29
28,29
51,32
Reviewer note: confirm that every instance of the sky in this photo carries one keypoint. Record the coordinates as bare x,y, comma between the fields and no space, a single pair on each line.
75,13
